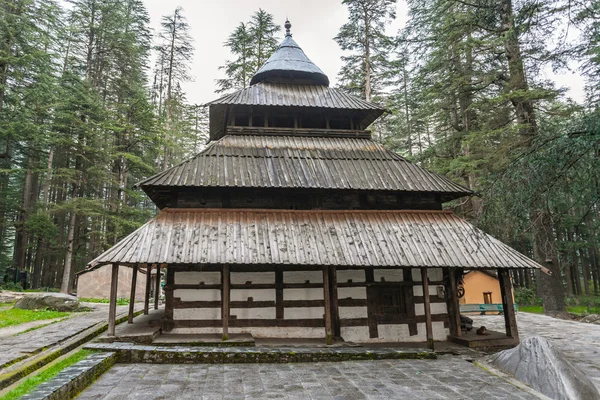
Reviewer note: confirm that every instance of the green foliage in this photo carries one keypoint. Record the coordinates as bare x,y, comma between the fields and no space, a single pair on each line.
31,383
526,297
11,286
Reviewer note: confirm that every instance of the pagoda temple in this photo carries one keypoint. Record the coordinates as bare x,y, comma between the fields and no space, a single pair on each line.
294,223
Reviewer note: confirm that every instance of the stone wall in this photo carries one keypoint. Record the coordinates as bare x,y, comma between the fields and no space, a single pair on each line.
96,284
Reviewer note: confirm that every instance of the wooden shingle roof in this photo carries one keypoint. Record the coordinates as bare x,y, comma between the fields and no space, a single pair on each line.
313,238
305,163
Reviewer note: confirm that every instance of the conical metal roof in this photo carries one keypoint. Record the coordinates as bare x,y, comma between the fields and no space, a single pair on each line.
289,64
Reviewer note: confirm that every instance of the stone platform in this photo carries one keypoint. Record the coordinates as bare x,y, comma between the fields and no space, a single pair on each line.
172,339
492,340
143,330
135,353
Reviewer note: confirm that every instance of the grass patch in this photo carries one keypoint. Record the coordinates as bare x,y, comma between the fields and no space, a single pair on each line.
16,316
532,309
8,305
29,385
120,302
580,310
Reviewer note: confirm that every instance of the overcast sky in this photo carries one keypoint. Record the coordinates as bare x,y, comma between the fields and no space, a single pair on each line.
314,25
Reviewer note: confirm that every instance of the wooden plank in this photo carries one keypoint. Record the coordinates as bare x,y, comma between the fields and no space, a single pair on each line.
225,297
510,319
148,287
132,295
452,301
112,308
427,306
411,300
157,287
327,297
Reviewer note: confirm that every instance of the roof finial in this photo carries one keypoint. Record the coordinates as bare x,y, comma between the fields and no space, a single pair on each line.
287,27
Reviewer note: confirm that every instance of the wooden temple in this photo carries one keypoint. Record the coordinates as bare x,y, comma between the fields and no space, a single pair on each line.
294,223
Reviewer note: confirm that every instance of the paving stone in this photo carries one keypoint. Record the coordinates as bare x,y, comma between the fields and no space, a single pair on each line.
340,381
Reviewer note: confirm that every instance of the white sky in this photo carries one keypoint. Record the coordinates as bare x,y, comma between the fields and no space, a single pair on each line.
314,25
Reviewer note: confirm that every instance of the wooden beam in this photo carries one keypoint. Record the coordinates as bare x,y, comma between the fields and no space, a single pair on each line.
132,295
327,297
157,287
279,306
427,306
148,287
225,297
112,308
452,301
510,319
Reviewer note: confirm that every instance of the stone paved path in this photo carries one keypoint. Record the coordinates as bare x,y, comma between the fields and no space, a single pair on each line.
15,347
349,380
578,340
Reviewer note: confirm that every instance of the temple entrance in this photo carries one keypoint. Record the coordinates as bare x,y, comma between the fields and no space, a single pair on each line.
386,304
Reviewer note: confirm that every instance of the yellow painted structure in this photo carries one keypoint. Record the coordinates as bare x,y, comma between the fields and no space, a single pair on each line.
479,285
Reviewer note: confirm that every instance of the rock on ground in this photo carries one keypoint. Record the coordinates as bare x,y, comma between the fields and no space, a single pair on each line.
544,367
49,301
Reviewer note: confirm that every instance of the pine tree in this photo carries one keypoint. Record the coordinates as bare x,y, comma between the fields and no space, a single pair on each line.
252,44
364,36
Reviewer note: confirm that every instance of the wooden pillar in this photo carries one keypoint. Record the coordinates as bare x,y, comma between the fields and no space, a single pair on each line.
452,301
112,309
327,297
132,295
335,315
427,306
168,323
157,287
148,287
510,319
225,297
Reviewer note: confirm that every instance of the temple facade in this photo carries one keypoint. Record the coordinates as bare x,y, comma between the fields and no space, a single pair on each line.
294,223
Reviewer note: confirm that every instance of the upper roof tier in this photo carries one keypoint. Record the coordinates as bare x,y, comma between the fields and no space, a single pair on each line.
289,64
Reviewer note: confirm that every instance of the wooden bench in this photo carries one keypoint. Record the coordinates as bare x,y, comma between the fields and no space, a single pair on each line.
484,308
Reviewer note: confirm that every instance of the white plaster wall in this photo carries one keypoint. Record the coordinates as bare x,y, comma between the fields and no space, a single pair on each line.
197,277
352,312
196,313
282,332
303,294
240,278
397,333
352,293
303,312
435,274
356,275
388,275
439,332
436,308
355,333
416,274
198,294
254,313
302,276
418,290
256,294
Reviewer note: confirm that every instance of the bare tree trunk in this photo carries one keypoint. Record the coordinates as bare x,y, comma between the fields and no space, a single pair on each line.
65,286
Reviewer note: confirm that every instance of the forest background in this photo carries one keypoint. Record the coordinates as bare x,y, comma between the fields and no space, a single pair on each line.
92,101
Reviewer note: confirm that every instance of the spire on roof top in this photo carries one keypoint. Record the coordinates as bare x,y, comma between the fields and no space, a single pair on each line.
289,64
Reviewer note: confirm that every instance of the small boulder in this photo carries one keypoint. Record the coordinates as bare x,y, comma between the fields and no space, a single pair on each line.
48,301
542,366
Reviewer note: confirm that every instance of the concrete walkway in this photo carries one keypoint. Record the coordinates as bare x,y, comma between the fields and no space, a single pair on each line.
445,378
14,348
578,340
